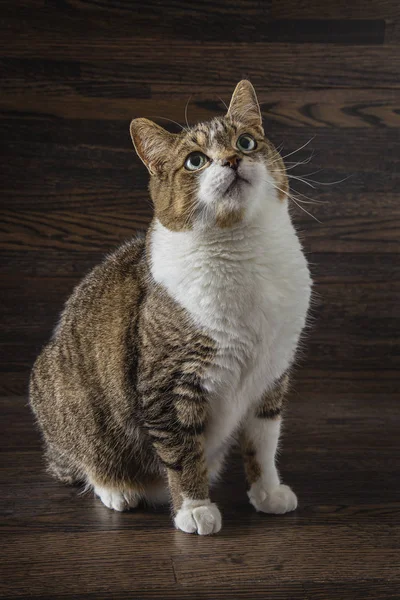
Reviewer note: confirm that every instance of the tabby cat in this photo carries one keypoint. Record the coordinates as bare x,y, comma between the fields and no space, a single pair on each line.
181,342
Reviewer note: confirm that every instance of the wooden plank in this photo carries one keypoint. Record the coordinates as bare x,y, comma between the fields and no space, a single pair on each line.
325,31
214,592
343,554
389,10
310,379
70,563
302,9
32,93
78,234
179,20
362,590
252,591
220,22
164,67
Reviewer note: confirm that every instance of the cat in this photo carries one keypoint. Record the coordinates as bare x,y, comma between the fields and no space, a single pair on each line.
180,343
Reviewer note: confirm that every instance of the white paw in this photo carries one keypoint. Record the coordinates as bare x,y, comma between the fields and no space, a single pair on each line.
115,499
277,501
198,516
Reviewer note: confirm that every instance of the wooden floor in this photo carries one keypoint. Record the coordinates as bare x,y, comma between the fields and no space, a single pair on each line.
341,455
72,75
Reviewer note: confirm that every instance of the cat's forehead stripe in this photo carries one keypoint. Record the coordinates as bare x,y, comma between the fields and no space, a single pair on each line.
205,134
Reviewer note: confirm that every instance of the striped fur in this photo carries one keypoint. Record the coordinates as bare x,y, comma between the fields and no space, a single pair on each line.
179,341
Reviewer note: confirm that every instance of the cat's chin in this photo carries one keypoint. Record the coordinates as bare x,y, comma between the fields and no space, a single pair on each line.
236,188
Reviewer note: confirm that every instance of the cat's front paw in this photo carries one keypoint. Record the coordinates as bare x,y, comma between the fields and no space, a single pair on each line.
277,501
198,516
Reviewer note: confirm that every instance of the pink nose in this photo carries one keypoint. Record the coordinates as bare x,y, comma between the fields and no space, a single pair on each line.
232,162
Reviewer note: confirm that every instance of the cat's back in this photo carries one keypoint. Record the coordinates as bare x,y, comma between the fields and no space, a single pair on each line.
111,288
95,336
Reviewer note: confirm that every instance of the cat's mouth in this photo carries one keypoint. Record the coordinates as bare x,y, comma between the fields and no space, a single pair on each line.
236,183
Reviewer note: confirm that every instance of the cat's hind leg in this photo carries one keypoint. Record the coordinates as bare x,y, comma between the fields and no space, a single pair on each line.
123,497
117,498
61,467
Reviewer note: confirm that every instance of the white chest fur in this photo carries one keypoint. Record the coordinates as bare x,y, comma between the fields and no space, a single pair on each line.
248,288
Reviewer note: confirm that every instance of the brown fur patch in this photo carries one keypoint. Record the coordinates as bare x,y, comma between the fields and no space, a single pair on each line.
270,408
226,219
273,401
251,465
117,390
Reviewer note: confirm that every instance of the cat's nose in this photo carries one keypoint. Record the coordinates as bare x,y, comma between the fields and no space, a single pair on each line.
232,162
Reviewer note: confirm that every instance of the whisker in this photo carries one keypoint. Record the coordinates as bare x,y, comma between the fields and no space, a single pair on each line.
303,209
296,200
294,152
301,148
302,180
223,102
331,182
312,173
311,201
191,214
166,119
186,110
300,162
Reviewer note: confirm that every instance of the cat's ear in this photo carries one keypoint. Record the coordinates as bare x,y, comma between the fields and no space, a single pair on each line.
244,105
152,143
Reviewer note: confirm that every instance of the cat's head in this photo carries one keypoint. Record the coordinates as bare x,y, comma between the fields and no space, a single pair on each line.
215,174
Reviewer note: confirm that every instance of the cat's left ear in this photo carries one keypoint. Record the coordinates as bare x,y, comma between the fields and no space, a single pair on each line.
244,105
152,143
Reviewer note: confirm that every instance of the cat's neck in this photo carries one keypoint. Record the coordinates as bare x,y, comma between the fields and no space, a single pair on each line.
178,258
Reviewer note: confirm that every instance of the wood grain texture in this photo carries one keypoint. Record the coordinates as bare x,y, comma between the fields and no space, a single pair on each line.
37,96
380,590
340,451
248,20
163,67
72,75
301,9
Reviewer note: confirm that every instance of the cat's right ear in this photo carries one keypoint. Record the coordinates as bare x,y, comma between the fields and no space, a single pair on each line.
152,143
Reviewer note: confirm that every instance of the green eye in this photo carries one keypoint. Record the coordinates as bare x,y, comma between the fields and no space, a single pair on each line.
246,143
195,161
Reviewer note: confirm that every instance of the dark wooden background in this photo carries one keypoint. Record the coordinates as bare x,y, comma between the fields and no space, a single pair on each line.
73,74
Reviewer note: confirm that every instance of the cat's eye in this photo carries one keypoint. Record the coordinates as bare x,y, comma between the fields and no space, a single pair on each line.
195,161
246,143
